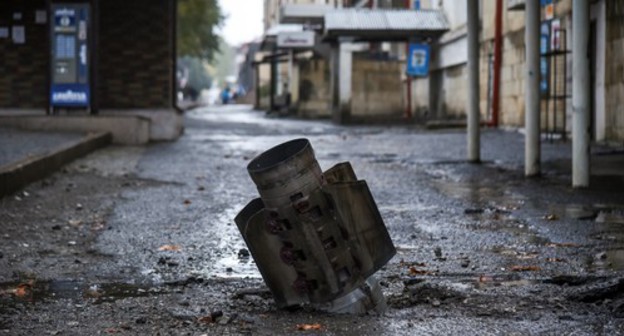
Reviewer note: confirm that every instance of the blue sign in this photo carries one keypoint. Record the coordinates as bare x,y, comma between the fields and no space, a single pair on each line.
69,95
544,61
417,4
418,60
545,2
70,82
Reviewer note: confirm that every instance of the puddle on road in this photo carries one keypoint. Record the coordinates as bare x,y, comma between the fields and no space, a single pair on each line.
612,259
229,262
608,228
33,291
233,266
480,195
485,281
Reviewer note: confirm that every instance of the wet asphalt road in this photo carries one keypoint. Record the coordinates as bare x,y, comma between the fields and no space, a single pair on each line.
141,240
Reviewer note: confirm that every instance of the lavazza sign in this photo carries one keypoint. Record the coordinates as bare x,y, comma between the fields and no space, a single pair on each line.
71,97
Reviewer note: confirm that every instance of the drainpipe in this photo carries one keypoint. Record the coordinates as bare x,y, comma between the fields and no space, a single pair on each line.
498,58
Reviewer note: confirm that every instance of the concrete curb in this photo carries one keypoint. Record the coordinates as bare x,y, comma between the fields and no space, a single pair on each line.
125,129
17,175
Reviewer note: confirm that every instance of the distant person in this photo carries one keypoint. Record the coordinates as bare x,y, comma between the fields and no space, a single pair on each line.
225,95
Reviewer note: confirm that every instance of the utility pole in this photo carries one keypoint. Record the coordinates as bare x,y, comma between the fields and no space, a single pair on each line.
532,145
474,145
580,94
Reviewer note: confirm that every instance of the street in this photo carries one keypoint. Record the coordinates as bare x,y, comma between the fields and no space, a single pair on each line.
142,241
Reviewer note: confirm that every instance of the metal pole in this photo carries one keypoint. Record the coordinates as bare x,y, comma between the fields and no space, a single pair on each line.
291,71
474,150
291,64
408,78
532,106
580,94
257,85
498,61
272,90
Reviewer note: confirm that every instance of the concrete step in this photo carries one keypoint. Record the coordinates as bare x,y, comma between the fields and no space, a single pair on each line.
125,130
18,174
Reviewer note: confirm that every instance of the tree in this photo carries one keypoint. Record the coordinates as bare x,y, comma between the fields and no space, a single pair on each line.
197,20
198,77
224,62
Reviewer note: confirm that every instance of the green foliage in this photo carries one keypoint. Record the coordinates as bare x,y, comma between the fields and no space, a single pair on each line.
197,20
198,77
224,62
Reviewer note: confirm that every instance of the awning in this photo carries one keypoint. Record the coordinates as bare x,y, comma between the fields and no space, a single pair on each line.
304,13
282,57
364,25
283,28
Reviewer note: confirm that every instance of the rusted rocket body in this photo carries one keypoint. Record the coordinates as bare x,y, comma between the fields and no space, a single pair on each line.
316,237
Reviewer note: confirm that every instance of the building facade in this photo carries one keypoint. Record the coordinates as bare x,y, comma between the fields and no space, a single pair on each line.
443,94
131,53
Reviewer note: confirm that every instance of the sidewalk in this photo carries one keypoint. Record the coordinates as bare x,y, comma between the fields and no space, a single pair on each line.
17,145
26,156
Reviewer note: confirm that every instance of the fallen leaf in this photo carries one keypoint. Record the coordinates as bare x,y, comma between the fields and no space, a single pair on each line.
74,222
555,260
22,290
112,331
562,245
98,226
530,268
201,188
206,319
484,278
174,248
551,217
187,202
305,327
414,271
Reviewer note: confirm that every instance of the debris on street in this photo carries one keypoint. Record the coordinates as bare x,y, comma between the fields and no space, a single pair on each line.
168,247
306,327
316,237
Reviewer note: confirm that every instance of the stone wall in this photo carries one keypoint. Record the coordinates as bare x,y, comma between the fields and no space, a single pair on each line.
136,54
377,90
512,78
420,98
449,92
614,79
314,94
24,68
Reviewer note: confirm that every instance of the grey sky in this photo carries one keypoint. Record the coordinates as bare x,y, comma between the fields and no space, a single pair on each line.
243,20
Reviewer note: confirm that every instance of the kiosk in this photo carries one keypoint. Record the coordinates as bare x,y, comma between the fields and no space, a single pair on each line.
70,82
